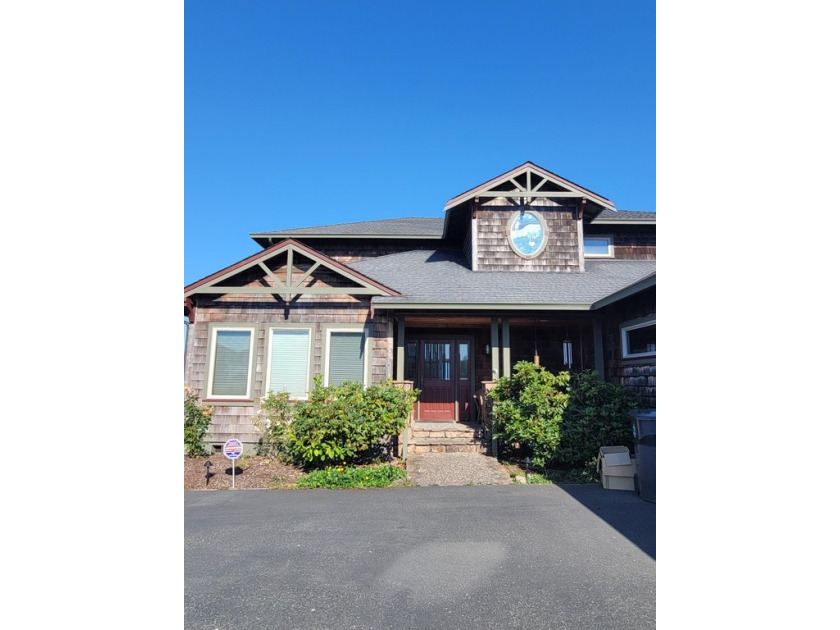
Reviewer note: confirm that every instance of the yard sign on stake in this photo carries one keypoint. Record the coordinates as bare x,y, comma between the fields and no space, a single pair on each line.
232,449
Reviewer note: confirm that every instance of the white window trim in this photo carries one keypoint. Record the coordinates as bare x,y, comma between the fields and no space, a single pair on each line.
625,330
212,364
270,354
607,237
328,336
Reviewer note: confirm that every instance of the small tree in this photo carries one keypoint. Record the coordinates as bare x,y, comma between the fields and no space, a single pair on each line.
196,422
529,409
276,414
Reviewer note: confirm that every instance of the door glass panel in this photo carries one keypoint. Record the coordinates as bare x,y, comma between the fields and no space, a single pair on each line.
464,361
411,361
437,361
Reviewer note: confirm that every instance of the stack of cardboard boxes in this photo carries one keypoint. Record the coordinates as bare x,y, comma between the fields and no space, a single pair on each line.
618,469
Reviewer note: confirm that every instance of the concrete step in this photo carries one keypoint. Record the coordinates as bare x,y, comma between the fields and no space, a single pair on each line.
444,448
445,434
435,439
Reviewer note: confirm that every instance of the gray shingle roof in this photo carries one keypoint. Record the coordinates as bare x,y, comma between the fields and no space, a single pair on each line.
624,216
442,277
411,227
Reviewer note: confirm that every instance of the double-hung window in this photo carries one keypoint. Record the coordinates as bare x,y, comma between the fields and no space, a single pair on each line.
346,355
289,352
231,363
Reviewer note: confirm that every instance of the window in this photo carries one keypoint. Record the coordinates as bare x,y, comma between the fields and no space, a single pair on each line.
639,340
598,246
288,361
231,357
345,356
411,362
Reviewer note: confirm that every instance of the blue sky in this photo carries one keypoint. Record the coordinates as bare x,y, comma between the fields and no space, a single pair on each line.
309,113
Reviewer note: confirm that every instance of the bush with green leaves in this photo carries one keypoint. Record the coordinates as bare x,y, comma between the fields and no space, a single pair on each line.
529,410
597,414
276,414
196,422
346,422
350,477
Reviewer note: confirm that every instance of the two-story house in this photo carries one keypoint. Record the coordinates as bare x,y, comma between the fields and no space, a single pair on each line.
526,266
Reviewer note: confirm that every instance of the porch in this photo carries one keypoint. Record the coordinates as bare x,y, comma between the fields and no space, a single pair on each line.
449,356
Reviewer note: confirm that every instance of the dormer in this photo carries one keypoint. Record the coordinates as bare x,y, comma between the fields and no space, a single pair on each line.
527,219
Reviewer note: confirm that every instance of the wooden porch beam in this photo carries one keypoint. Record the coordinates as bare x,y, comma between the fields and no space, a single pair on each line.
400,348
505,346
494,346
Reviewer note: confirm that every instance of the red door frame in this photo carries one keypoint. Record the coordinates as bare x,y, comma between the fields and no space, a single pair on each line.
451,402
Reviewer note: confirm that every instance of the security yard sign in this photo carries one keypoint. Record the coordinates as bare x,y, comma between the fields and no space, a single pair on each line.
232,449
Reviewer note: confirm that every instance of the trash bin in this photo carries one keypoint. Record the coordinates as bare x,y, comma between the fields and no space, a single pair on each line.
644,441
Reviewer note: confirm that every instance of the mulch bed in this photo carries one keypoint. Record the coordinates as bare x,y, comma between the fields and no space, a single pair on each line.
252,473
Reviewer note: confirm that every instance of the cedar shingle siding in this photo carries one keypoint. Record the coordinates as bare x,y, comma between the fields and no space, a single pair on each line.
494,253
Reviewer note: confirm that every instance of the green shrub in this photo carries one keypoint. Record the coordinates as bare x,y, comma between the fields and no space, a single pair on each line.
349,477
196,421
529,410
597,414
346,422
276,414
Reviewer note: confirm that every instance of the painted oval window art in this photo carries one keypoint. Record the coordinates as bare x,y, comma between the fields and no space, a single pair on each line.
527,233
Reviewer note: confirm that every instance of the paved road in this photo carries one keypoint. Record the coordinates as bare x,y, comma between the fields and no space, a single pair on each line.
576,557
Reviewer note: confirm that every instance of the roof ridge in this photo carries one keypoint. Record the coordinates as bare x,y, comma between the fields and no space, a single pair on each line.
346,223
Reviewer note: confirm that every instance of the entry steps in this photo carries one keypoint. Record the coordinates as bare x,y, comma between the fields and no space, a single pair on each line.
445,437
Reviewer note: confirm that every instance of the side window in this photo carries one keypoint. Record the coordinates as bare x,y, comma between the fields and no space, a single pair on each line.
346,350
288,361
231,360
598,246
639,340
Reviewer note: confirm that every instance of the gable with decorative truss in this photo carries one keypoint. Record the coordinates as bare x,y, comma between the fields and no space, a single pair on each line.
527,184
285,272
527,219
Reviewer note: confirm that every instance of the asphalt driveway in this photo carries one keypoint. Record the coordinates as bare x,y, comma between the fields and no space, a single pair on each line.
576,557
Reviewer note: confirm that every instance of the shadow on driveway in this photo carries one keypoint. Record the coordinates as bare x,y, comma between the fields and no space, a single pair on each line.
625,511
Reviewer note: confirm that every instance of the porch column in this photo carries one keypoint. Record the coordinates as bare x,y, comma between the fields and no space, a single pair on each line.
599,349
505,346
494,346
400,348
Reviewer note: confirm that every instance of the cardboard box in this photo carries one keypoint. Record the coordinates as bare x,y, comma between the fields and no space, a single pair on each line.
618,470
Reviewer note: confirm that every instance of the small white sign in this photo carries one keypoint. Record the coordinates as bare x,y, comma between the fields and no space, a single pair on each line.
232,449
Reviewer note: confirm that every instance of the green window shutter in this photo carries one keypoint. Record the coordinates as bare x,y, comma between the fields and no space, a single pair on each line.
232,363
290,362
347,359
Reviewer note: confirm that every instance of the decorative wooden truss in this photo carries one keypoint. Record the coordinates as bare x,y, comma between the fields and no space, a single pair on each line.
279,271
526,183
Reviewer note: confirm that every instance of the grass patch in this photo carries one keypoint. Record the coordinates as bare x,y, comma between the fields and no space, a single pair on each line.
351,477
546,476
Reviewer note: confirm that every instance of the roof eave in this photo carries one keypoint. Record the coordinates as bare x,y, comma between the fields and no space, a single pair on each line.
636,287
474,306
600,221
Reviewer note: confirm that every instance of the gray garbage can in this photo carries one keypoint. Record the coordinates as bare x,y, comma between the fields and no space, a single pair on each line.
644,441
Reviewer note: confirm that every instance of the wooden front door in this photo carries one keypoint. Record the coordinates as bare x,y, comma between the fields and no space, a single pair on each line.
437,380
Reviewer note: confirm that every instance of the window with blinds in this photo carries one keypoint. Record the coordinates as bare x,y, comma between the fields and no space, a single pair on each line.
231,363
288,369
346,357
